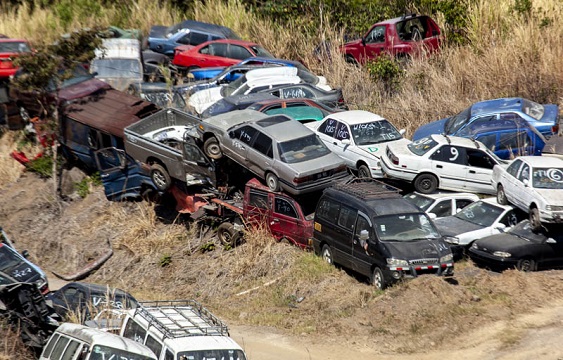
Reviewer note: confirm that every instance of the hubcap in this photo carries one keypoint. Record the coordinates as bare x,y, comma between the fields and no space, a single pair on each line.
158,179
214,149
327,257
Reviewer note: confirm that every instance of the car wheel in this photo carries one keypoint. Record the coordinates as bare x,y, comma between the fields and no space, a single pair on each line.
501,196
535,221
285,241
326,254
160,177
272,182
426,183
212,148
378,279
526,265
363,172
227,234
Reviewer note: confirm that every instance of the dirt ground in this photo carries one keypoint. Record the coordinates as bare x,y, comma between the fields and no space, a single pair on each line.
481,316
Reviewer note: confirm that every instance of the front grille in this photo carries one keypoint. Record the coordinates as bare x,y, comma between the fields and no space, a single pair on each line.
422,262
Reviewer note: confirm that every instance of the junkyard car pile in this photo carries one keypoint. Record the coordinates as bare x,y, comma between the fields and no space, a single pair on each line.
314,171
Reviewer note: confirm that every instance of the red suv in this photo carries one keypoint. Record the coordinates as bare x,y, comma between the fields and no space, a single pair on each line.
223,52
399,37
9,49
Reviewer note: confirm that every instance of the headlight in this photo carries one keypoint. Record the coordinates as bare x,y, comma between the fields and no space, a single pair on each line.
451,240
447,258
397,262
475,246
554,208
502,254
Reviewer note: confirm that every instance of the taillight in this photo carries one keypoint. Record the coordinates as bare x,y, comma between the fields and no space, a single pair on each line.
392,157
300,180
555,129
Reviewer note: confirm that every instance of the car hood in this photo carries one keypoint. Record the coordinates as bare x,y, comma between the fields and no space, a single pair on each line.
24,272
379,149
202,99
352,43
324,163
453,226
419,249
502,242
551,196
435,127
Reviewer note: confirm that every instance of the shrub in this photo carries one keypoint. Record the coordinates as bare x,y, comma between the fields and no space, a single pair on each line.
42,165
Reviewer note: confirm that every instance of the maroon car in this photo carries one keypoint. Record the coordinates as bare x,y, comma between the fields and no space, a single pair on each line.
399,37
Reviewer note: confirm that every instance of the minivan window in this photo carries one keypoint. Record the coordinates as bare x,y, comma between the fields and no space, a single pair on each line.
59,347
405,227
154,345
50,344
70,350
328,210
212,354
347,217
100,352
134,331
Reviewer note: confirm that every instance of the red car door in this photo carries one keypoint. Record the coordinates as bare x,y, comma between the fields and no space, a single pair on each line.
286,220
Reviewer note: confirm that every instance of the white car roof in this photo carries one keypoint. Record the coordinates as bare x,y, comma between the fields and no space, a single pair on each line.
355,117
457,140
493,201
542,161
271,71
456,195
119,49
273,80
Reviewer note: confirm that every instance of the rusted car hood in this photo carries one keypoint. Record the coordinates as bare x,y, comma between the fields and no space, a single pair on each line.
82,89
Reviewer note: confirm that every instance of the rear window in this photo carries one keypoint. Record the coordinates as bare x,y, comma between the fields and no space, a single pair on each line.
422,146
302,149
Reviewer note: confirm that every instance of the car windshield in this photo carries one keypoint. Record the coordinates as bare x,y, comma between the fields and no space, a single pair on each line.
524,230
165,99
405,227
117,68
212,355
14,47
261,52
100,352
533,109
547,178
480,213
374,132
228,89
423,202
454,123
422,146
308,77
302,149
7,258
77,75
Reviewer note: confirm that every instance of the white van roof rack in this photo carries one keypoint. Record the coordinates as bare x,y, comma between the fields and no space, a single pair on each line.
181,318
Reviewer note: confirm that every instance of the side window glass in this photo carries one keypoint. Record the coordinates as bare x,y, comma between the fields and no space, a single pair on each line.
168,355
245,134
362,224
154,345
206,50
198,38
513,168
263,144
342,132
59,347
513,140
218,49
477,125
328,127
50,345
184,40
258,199
489,140
524,173
478,158
106,141
451,154
238,52
376,35
347,217
93,139
443,208
510,219
70,350
328,210
192,153
284,207
134,331
461,203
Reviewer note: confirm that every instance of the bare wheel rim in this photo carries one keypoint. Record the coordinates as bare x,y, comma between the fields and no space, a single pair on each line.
535,218
327,255
378,278
501,197
272,181
159,178
214,149
526,265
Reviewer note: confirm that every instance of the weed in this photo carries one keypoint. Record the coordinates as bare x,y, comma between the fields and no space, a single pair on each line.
42,165
165,260
210,246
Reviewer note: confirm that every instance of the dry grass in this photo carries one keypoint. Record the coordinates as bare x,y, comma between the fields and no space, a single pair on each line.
11,346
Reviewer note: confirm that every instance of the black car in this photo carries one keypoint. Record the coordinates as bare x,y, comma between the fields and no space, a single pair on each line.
368,227
521,248
86,299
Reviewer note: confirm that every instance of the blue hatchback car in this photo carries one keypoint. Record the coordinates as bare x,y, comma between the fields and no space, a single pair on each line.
542,117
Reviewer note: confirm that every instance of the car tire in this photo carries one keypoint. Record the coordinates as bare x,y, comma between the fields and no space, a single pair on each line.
535,220
426,183
212,148
272,181
227,234
526,265
378,279
501,195
363,171
326,254
160,177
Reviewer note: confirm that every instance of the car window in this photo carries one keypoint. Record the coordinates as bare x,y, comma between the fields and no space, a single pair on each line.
478,158
52,341
168,355
362,223
154,345
342,132
305,148
477,125
238,52
461,203
245,134
547,178
376,35
374,132
347,217
480,213
260,51
328,210
258,199
328,127
218,49
70,350
134,331
263,144
514,140
512,218
489,140
442,208
284,207
198,38
8,258
524,173
422,146
451,154
296,93
533,109
59,347
514,167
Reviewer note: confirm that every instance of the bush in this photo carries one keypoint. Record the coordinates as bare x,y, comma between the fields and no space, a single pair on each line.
386,69
42,165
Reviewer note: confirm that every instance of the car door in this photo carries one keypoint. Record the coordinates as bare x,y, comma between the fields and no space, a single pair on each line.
552,251
238,52
326,132
374,43
363,259
479,171
256,207
522,187
344,229
284,221
240,140
195,163
260,154
120,174
509,181
343,145
449,162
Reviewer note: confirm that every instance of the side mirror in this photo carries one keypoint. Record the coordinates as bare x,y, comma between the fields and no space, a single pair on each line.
501,227
526,182
402,131
345,141
432,216
364,235
363,41
25,254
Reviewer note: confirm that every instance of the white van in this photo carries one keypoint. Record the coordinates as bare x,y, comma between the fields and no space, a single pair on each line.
180,330
119,63
78,342
251,82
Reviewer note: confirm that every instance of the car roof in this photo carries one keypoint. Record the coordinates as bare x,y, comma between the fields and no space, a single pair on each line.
355,116
283,128
493,201
248,98
457,140
119,48
273,80
436,196
9,40
400,18
270,72
235,117
497,105
232,41
96,288
206,27
542,161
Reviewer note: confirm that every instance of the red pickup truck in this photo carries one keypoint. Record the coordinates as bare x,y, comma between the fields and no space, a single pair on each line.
400,37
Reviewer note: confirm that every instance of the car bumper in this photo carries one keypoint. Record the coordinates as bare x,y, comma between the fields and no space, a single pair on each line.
399,272
313,185
486,259
398,173
551,216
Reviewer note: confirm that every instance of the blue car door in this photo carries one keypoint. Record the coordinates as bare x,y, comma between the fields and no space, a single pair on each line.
122,176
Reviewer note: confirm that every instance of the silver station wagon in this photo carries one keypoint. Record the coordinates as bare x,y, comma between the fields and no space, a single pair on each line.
278,149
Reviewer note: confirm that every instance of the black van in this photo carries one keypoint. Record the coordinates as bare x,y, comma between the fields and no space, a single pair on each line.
366,226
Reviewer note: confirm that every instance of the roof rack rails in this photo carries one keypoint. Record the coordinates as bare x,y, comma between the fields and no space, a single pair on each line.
368,188
181,318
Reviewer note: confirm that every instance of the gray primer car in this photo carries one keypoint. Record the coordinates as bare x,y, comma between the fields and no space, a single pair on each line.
278,149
